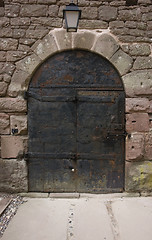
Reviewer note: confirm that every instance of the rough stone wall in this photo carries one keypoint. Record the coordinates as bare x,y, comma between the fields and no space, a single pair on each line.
23,23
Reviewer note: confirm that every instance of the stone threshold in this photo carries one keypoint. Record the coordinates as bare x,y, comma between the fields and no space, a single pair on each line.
4,202
83,195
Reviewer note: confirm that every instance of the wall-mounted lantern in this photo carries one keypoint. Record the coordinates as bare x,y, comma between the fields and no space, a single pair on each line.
71,14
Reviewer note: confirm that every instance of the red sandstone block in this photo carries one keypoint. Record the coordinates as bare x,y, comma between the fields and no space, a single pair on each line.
11,146
148,146
150,107
13,105
137,122
4,123
135,147
137,104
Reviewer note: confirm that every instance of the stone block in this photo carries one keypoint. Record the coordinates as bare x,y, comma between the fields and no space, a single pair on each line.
9,68
29,63
150,108
24,48
107,13
60,14
19,123
32,1
13,105
20,21
28,10
12,10
19,33
46,1
83,40
4,123
11,146
13,56
2,11
106,46
1,67
27,41
137,122
3,89
116,24
147,17
142,26
138,83
143,63
148,146
128,38
13,176
137,32
45,47
140,49
150,121
34,195
2,56
122,61
130,15
92,24
89,12
53,10
51,22
149,25
6,78
84,3
19,83
131,24
64,195
138,176
137,104
135,147
149,34
64,39
36,33
8,44
6,32
144,2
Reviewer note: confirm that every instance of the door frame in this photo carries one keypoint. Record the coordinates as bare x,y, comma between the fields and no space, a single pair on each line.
117,83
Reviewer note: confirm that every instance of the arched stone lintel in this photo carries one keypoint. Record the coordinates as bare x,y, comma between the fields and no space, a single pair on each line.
57,40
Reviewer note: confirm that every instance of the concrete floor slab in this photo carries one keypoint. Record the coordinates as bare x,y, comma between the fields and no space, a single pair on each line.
91,221
134,218
84,218
39,219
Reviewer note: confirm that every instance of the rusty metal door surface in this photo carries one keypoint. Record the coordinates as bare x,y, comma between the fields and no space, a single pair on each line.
76,125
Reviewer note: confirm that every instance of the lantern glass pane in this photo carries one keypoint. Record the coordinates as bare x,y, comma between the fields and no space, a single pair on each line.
72,19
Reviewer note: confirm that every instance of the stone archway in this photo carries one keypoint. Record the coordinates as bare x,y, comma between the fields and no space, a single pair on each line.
76,125
59,40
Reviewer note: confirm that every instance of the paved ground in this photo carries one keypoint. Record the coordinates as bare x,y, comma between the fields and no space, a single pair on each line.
90,217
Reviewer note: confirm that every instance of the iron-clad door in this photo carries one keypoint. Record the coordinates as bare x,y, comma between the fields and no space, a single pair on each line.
52,144
76,106
100,141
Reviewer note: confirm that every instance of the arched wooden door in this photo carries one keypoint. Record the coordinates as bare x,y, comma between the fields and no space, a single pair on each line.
76,125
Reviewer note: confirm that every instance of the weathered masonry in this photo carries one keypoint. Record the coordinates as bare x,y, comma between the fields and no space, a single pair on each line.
76,108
